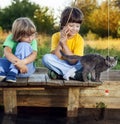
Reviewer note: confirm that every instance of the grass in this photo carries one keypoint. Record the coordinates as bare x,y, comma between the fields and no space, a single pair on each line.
102,46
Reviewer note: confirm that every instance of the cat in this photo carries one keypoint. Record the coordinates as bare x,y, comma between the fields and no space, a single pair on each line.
93,64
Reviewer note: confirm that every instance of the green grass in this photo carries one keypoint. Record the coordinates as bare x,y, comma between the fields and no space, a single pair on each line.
41,51
46,49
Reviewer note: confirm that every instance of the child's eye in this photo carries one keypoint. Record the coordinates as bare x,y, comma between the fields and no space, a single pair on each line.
71,25
78,26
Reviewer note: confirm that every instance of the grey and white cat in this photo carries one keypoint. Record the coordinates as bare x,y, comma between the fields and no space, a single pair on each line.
93,64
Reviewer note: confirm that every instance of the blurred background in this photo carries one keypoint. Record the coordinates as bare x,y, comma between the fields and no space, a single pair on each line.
100,28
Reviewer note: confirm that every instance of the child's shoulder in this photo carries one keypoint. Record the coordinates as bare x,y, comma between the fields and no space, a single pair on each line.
56,34
79,36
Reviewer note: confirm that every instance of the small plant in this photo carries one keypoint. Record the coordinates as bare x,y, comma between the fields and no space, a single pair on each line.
101,105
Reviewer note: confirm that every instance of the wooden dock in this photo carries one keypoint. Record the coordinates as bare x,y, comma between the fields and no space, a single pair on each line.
40,91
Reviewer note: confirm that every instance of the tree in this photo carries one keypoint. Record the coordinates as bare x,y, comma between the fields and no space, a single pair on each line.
100,19
25,8
117,3
104,20
43,20
87,7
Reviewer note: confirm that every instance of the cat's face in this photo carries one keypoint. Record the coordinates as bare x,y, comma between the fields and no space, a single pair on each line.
111,61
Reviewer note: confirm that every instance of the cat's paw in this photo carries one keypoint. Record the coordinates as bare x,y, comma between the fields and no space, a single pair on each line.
86,80
98,81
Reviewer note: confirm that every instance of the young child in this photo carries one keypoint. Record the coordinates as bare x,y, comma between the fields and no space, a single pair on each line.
20,51
70,41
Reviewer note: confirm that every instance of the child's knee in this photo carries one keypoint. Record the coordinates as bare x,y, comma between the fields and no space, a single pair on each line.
23,45
45,58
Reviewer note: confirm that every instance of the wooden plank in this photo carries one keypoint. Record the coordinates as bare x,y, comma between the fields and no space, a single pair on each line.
46,92
20,82
73,102
28,88
40,77
1,98
42,101
90,102
10,101
110,85
37,79
55,83
81,83
112,75
0,89
50,97
73,83
2,84
100,93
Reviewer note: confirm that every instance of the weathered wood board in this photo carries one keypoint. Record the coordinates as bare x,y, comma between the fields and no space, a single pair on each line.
39,90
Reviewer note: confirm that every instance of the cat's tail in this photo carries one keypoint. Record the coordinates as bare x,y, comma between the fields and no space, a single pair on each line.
69,56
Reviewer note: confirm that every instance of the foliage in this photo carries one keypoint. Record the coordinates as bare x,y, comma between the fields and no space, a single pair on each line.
16,9
41,51
100,19
87,7
117,3
44,21
103,20
24,8
91,36
101,105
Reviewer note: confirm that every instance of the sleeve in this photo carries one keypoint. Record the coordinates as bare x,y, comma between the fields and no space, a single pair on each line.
34,45
79,47
54,41
9,42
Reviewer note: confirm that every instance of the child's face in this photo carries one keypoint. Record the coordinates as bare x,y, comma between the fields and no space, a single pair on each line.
28,38
73,28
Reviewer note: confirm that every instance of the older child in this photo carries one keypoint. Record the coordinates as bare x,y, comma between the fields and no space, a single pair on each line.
20,51
70,41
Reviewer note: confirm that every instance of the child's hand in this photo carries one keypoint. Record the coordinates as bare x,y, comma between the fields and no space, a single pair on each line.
24,69
21,66
64,34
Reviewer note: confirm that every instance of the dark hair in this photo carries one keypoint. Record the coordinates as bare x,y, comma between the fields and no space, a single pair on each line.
71,14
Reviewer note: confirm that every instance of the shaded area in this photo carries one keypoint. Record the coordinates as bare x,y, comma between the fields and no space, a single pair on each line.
34,115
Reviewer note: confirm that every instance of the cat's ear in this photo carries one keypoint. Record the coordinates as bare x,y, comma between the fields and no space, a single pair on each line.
115,57
107,58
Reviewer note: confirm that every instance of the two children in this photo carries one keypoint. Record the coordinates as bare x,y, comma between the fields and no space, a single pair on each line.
20,48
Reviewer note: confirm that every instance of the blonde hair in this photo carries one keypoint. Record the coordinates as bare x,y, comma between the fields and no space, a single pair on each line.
21,27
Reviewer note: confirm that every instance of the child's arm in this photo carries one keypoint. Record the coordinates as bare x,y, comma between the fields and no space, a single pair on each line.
9,55
13,59
63,42
24,62
30,58
62,45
